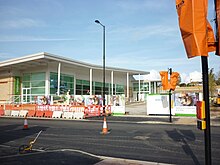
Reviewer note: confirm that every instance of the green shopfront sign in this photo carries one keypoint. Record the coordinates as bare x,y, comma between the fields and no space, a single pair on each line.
17,85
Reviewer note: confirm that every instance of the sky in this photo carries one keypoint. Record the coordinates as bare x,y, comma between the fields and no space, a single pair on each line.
140,34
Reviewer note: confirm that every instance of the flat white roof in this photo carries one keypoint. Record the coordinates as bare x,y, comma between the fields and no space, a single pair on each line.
43,58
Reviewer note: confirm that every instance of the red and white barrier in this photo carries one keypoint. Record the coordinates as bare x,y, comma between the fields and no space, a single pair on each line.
23,113
56,111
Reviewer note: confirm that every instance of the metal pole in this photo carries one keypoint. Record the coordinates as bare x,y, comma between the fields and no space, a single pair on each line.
58,80
103,86
207,131
103,69
170,105
170,72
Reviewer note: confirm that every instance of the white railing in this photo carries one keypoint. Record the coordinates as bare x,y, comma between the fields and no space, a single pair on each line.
14,99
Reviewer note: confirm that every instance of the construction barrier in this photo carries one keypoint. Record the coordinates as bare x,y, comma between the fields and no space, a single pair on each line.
29,106
39,114
68,115
1,107
78,115
48,114
57,114
2,113
7,112
15,113
54,111
23,113
107,110
31,113
77,109
92,110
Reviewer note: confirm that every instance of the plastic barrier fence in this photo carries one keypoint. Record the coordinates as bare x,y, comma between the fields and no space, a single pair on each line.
2,112
31,113
23,113
15,113
48,114
68,115
91,111
54,111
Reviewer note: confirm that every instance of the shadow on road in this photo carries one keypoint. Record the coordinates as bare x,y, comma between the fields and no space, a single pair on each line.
14,131
182,136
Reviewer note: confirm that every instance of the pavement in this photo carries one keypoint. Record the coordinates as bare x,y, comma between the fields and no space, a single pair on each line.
144,119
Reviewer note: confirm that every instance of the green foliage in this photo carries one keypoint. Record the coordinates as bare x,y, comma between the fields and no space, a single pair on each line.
218,78
212,82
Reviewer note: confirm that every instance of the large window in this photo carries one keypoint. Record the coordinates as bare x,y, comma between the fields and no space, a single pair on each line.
83,88
35,81
144,87
33,84
66,83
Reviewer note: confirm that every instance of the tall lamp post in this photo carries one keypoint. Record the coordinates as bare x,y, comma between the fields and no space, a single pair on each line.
103,89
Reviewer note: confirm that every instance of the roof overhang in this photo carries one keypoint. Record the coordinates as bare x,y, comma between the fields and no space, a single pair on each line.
43,58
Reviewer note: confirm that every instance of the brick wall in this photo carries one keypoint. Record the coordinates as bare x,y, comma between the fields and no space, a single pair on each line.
6,89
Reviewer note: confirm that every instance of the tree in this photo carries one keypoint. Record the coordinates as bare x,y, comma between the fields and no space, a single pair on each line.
218,78
212,82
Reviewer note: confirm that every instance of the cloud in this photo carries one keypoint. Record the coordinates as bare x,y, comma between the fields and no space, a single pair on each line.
184,78
154,75
23,38
195,76
21,23
191,77
141,5
144,32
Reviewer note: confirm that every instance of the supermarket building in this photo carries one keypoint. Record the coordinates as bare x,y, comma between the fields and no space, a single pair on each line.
45,74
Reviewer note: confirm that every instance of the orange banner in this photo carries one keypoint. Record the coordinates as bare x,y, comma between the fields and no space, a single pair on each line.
217,8
197,33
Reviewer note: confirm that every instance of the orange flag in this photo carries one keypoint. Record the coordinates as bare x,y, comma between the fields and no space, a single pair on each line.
197,33
217,9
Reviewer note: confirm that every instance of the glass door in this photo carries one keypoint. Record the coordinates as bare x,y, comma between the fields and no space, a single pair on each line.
26,95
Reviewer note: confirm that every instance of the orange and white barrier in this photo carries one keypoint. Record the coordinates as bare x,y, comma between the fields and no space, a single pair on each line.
7,112
15,113
48,114
23,113
68,115
2,113
55,111
39,114
57,114
91,111
78,115
31,113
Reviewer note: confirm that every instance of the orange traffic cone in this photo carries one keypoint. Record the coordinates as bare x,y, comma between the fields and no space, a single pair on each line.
104,128
25,123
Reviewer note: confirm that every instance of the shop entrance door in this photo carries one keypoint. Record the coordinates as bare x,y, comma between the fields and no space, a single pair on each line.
26,95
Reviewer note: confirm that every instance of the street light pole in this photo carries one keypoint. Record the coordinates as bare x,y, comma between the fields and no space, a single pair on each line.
170,72
103,89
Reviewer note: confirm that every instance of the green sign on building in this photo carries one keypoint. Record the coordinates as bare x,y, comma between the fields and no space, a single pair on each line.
17,85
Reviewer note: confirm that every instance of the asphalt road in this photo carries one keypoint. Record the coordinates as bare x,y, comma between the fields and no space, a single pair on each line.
80,142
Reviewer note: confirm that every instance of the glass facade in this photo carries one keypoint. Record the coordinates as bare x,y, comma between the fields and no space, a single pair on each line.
144,87
66,83
33,84
83,88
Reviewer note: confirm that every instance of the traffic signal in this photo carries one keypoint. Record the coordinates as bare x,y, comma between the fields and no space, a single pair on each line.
164,80
200,110
201,124
200,114
174,78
